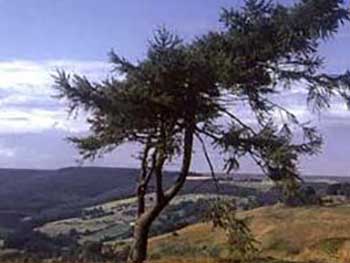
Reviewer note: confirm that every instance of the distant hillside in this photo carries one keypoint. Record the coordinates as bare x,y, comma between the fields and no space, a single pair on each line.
54,194
58,193
49,195
36,190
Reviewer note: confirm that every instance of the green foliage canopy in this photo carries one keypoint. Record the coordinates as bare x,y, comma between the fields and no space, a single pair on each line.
263,50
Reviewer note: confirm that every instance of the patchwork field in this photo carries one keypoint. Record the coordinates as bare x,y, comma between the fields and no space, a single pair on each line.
113,220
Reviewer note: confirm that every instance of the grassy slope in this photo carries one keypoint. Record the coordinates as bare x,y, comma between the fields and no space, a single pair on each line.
301,234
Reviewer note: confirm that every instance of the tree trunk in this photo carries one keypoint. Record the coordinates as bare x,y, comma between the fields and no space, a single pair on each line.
138,253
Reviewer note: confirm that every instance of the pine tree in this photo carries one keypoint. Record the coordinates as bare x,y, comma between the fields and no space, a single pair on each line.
181,92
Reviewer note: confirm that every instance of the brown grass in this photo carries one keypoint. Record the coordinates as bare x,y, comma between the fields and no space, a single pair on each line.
284,233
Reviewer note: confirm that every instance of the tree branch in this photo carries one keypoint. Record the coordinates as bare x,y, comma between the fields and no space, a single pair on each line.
207,157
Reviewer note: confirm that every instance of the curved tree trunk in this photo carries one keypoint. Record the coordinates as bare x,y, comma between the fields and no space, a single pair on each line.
139,249
143,223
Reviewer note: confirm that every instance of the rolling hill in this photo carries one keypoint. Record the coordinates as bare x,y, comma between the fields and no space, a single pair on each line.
304,234
52,194
40,196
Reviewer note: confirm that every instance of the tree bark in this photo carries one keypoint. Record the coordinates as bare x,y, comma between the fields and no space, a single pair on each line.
138,252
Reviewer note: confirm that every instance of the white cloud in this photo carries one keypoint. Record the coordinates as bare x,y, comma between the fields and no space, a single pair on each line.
37,120
27,105
26,95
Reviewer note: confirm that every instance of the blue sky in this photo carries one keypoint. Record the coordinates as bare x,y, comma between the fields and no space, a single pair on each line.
87,29
38,36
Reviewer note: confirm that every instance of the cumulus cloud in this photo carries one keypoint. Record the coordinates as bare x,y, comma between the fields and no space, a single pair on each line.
26,95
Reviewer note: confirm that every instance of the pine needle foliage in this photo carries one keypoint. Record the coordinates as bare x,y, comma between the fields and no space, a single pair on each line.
186,91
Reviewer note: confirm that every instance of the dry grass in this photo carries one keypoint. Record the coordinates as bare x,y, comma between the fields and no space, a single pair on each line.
179,260
303,234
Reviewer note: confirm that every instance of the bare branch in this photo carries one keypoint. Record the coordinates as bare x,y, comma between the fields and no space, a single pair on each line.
207,157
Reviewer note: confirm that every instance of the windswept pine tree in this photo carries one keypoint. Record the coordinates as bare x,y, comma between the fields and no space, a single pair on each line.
182,92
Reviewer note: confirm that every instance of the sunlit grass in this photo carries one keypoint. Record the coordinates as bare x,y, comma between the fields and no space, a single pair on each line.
298,234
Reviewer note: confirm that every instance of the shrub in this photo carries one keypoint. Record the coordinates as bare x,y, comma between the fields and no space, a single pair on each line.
242,244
